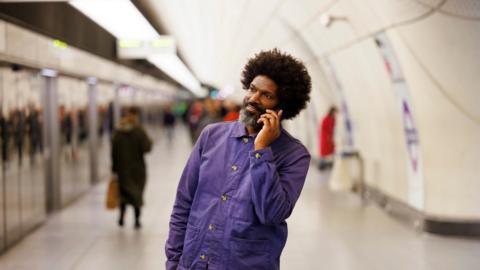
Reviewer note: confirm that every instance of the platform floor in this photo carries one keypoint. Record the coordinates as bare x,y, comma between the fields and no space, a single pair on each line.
327,231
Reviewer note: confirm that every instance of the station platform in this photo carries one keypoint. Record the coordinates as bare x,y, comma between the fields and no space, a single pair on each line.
326,231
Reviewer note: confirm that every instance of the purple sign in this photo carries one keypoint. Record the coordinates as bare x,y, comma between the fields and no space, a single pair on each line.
411,135
393,68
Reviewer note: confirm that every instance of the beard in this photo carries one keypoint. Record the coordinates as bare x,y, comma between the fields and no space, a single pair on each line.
250,118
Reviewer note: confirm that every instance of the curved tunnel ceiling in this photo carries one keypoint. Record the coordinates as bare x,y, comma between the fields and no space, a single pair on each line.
216,36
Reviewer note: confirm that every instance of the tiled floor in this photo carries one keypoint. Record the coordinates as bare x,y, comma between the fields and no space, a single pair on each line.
327,231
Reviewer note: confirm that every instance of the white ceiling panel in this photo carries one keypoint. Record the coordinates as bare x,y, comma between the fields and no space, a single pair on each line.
300,13
431,3
466,9
456,46
395,11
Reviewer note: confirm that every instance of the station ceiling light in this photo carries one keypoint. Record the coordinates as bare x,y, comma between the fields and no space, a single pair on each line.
119,17
174,67
124,21
327,19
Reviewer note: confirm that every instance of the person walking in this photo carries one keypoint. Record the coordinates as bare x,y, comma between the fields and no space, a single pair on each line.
130,143
169,122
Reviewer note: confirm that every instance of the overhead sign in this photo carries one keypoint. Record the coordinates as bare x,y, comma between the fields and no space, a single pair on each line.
59,44
140,49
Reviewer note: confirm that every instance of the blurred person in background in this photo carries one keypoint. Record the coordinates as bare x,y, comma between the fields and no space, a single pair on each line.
243,178
233,111
168,122
130,143
212,114
327,143
194,115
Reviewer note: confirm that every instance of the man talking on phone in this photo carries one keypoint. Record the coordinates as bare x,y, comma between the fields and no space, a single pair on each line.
243,178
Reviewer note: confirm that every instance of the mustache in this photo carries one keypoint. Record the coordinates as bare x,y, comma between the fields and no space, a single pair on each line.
259,108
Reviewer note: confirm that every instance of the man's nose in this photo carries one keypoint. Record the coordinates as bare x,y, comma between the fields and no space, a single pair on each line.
255,98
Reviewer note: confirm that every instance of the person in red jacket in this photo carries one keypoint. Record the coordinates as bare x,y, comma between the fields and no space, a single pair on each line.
233,111
327,144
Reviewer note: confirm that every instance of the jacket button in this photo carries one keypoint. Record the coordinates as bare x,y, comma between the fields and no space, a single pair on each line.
258,155
203,257
224,198
234,168
211,227
245,140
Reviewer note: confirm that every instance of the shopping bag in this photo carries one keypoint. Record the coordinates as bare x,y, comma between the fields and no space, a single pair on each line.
112,200
341,180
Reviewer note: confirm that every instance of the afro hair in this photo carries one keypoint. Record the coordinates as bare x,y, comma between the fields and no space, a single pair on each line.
289,74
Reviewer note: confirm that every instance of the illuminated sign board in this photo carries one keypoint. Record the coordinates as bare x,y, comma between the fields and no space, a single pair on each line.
59,44
140,49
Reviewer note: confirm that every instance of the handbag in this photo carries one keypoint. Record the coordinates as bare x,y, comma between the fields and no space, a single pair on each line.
112,199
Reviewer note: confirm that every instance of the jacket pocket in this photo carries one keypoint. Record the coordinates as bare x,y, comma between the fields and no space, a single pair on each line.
190,246
249,254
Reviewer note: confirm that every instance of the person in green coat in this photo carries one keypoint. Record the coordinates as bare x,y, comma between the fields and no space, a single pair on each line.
130,143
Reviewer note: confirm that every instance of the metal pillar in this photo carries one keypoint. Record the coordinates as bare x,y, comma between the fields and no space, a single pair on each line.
51,135
116,106
93,128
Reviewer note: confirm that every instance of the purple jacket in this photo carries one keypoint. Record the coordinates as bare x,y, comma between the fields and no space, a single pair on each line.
232,201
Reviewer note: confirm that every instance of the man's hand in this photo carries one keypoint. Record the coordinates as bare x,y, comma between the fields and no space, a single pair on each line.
270,130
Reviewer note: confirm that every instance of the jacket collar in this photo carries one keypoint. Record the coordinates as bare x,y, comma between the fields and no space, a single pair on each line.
239,130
